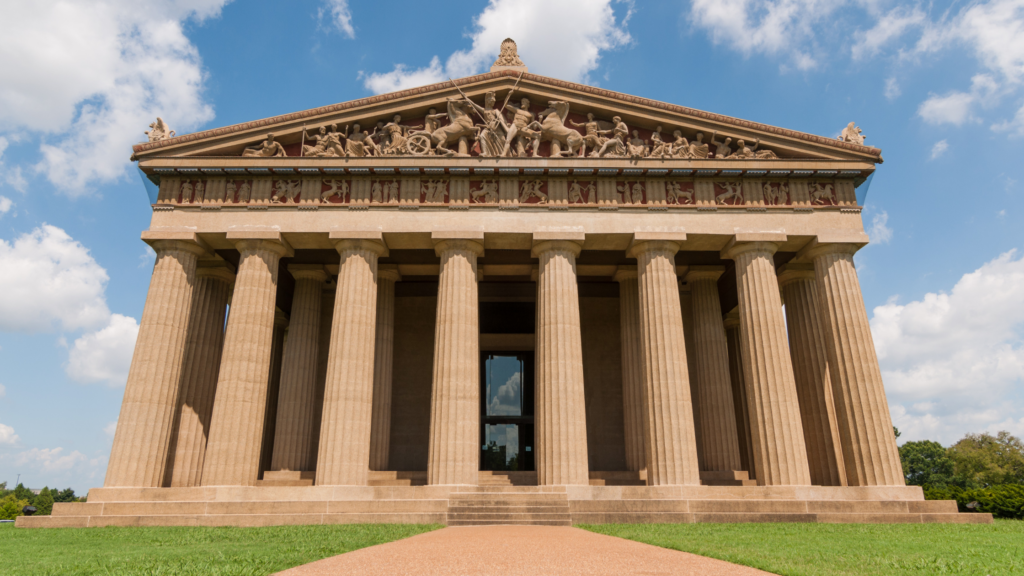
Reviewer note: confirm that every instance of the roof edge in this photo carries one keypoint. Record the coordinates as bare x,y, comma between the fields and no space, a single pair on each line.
379,98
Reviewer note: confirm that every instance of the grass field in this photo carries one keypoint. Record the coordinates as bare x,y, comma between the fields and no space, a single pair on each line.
844,549
184,551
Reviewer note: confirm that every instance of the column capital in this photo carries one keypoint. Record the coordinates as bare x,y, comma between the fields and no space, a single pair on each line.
626,274
218,270
441,246
817,248
570,239
731,319
188,240
308,272
753,242
372,240
663,241
790,273
388,272
270,240
703,273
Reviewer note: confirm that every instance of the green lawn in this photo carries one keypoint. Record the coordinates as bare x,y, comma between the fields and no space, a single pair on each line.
844,549
184,551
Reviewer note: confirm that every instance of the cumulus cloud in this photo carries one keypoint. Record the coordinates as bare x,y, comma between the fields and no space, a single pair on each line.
106,354
880,232
49,280
341,16
888,27
540,30
89,76
5,205
50,459
7,435
892,89
939,148
954,362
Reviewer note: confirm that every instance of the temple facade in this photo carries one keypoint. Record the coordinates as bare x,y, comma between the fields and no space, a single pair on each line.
422,306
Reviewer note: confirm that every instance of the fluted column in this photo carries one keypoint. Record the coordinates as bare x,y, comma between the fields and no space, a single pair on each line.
739,392
862,412
714,388
239,407
383,355
561,417
632,368
293,434
809,351
669,439
273,391
200,366
323,352
142,440
454,453
344,456
779,453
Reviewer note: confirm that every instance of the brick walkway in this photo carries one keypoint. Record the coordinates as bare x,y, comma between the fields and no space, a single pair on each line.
518,550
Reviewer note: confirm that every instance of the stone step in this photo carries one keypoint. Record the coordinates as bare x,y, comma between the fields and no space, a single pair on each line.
517,489
766,506
509,509
465,516
499,503
616,482
247,507
245,520
509,522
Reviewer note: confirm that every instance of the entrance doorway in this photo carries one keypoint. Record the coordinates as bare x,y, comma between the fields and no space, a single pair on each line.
506,411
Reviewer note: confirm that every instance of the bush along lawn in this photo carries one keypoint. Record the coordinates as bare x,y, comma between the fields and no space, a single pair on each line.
844,549
184,551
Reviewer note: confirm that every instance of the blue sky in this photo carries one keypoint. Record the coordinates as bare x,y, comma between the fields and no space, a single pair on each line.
939,86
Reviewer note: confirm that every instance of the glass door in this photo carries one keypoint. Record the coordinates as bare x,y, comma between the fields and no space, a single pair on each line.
506,411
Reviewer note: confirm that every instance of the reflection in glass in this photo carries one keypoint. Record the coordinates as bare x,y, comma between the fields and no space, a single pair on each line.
504,385
502,441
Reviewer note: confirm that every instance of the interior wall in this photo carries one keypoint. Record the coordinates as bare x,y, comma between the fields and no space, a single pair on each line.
602,377
413,373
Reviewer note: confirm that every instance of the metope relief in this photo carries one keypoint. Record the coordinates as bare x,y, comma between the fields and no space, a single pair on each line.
384,192
284,191
776,193
729,193
679,193
821,194
433,191
533,192
585,193
335,192
483,192
631,193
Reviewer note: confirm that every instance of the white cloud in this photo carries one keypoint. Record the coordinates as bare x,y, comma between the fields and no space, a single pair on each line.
954,362
7,435
880,232
892,89
341,16
1015,126
90,75
50,459
953,108
50,279
546,44
939,148
887,28
5,205
147,258
106,354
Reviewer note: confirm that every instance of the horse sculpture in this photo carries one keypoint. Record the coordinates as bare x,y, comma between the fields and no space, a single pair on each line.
553,128
460,126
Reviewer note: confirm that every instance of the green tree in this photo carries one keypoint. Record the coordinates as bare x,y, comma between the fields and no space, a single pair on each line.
22,493
65,495
896,432
44,502
984,460
10,507
926,462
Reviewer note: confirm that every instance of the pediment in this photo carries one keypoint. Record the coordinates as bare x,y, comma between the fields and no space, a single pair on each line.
638,114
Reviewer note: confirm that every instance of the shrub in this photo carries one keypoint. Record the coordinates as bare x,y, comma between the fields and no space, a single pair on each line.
10,507
1002,501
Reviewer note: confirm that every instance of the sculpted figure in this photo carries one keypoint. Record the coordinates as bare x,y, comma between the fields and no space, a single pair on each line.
822,194
637,146
488,192
595,133
675,194
337,188
243,192
851,133
267,149
631,195
186,191
460,126
432,121
229,191
660,148
360,144
520,130
732,192
159,131
493,133
776,194
531,189
744,152
393,140
434,190
200,191
616,145
698,149
319,145
509,55
680,147
576,193
553,128
376,192
722,149
285,190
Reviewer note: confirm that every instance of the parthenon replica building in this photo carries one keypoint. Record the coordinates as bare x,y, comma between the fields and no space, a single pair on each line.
504,299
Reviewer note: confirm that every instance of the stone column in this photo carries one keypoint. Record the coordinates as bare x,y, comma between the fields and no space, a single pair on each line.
862,413
142,440
323,351
383,356
273,391
779,453
809,351
714,388
632,367
200,366
669,439
561,416
293,433
344,456
454,453
239,407
739,392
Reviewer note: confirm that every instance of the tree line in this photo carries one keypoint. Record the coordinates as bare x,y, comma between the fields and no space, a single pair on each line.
13,501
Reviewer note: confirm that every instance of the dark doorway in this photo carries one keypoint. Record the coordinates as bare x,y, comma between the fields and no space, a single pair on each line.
506,411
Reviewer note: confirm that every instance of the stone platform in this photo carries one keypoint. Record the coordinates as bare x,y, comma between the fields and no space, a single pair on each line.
497,504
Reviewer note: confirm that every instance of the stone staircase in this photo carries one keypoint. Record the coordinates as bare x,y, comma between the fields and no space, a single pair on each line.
508,504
